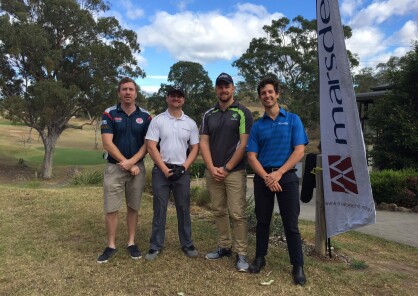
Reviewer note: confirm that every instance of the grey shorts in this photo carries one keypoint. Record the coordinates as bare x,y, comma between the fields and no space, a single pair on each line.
118,183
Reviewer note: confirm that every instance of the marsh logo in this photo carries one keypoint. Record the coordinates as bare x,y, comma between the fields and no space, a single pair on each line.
342,174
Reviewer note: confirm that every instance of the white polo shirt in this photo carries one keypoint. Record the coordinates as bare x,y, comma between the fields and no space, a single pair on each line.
175,134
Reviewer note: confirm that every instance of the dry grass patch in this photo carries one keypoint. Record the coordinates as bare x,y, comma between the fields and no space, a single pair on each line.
50,239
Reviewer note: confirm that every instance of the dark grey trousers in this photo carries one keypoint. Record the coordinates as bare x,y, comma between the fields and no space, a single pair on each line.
161,188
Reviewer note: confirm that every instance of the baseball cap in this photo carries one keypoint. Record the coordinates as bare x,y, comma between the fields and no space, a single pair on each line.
175,89
224,77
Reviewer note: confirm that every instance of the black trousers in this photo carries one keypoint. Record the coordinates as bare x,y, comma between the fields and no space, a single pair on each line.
288,201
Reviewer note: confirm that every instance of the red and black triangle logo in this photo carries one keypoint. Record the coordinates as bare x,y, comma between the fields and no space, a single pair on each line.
342,174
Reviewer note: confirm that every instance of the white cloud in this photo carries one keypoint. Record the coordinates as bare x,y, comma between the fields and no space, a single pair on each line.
142,61
158,77
209,36
150,89
369,44
348,7
376,32
132,13
182,5
380,11
408,32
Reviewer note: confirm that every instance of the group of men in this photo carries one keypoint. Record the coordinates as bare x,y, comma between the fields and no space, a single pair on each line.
273,146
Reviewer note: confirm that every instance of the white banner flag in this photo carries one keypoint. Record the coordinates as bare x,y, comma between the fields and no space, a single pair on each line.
347,192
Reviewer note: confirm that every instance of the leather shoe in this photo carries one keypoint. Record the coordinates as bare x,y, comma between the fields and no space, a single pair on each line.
257,265
298,275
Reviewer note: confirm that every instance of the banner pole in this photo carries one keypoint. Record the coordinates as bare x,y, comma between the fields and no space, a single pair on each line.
329,248
320,226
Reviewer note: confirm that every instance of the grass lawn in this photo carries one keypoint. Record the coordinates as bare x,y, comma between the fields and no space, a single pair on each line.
50,239
52,233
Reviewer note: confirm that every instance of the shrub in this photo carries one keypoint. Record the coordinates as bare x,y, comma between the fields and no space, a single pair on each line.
399,187
82,177
276,226
199,196
149,164
197,169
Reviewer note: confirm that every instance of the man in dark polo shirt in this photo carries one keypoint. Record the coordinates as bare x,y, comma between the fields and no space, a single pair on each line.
224,134
123,128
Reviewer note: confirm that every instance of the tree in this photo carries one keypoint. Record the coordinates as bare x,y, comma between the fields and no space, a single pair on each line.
59,58
364,80
290,53
395,117
195,82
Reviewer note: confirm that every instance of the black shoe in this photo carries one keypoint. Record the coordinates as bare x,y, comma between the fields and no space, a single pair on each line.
257,265
135,252
298,275
107,254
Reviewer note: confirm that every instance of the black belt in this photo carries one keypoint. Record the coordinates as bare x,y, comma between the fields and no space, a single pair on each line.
270,170
172,166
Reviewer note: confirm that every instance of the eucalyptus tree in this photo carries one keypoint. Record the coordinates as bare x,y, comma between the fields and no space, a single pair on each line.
195,82
288,51
58,58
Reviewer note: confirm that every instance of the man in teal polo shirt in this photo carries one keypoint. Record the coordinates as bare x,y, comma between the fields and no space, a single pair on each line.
277,142
224,134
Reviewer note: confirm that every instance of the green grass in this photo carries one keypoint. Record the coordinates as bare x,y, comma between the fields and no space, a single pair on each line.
50,239
65,156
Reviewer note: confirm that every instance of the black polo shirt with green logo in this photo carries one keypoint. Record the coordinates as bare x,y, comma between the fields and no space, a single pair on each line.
224,129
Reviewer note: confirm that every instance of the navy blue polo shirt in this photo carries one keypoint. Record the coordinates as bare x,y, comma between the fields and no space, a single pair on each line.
274,140
128,131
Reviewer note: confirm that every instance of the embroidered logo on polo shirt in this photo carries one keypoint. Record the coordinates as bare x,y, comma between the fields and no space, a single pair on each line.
342,174
139,120
284,123
118,119
234,116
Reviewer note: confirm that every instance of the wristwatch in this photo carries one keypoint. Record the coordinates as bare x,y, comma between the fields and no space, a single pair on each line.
226,169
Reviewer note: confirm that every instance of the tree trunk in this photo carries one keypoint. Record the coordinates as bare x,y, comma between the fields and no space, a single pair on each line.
96,126
50,140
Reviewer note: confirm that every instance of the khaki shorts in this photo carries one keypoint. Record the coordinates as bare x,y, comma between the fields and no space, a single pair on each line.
118,183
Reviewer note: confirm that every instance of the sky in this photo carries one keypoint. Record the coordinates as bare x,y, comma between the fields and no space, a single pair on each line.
215,33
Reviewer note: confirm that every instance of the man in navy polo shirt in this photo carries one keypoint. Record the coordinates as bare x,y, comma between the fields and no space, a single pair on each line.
224,134
123,128
277,142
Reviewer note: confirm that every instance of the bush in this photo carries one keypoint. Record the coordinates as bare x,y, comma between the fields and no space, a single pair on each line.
276,226
82,177
398,187
149,164
197,169
199,196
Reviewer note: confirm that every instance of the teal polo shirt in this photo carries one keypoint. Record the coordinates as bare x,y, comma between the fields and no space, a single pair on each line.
274,140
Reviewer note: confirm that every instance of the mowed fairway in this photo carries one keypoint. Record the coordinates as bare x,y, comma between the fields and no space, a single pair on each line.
22,148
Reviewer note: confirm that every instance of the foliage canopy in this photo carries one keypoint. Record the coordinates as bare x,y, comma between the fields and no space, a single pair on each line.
57,58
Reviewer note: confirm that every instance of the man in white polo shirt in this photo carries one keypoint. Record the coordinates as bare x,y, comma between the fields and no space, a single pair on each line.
173,144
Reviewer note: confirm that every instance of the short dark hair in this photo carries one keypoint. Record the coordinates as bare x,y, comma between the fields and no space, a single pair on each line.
126,80
268,80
